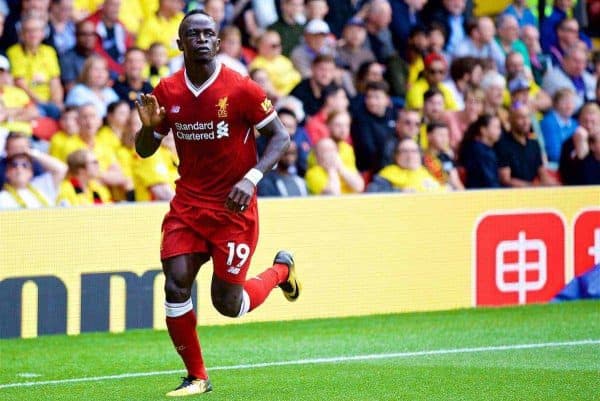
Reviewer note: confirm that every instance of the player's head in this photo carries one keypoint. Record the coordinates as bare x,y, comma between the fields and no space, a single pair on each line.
198,36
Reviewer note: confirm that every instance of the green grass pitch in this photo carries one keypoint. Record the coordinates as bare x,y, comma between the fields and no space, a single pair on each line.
540,352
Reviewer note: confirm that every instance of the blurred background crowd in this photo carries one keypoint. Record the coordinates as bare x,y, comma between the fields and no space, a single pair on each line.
377,95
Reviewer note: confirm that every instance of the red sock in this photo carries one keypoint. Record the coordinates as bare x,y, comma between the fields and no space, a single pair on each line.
182,330
259,287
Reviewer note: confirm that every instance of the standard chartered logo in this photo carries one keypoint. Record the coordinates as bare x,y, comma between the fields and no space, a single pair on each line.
201,130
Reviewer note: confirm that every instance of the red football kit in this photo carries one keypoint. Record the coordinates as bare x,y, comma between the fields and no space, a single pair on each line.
213,126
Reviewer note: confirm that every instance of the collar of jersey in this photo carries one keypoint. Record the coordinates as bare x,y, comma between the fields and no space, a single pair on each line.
197,90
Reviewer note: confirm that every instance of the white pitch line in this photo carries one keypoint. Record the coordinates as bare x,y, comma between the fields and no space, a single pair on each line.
317,361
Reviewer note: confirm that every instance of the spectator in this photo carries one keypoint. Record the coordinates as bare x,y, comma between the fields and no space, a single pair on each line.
369,71
452,15
93,86
476,154
162,27
508,39
519,10
408,124
280,182
373,124
516,70
23,190
407,173
17,143
405,16
480,42
459,121
465,72
280,69
230,51
438,159
114,40
377,21
519,156
216,9
19,110
111,173
567,32
572,74
333,174
115,124
68,127
434,73
316,9
335,99
153,177
416,49
71,63
540,62
81,186
19,10
558,125
62,26
158,64
351,51
41,84
261,77
575,149
316,41
560,11
433,111
494,85
290,26
310,90
132,83
436,39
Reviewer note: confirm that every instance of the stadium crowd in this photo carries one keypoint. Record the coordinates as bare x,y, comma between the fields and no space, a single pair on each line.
377,95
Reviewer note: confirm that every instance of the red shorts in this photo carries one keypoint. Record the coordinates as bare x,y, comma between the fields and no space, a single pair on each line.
229,238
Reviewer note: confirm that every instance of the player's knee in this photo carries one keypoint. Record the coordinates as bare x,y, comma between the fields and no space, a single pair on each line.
226,306
177,290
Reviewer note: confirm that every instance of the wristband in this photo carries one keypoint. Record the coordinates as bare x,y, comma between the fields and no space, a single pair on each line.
254,175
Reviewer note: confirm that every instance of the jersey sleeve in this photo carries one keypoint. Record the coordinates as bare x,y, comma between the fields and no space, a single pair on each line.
258,110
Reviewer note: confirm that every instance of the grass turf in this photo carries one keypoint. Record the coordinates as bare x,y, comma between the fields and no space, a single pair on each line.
567,372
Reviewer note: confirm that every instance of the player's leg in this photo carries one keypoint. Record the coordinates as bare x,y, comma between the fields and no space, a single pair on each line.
180,272
234,298
183,251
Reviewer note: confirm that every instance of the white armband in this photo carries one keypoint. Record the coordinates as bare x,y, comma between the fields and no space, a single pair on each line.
254,175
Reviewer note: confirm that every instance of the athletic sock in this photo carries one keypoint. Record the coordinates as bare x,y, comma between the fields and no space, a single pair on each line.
181,322
259,287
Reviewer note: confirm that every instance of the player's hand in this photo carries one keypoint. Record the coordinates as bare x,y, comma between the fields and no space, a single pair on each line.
151,113
240,196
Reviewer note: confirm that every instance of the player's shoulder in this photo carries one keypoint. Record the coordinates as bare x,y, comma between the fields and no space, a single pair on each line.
171,85
236,80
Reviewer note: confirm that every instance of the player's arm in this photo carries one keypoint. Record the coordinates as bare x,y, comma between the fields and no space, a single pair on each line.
242,192
151,115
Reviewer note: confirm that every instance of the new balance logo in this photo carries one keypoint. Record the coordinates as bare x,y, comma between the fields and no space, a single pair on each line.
233,270
222,129
175,109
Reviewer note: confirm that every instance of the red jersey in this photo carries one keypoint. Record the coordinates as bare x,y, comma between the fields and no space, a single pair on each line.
213,129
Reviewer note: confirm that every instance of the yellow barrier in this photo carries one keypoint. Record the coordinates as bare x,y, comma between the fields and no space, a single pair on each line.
95,269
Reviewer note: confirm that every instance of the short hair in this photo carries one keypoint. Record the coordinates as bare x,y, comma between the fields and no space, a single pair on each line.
323,58
431,92
333,114
377,86
561,94
492,78
432,126
77,160
462,66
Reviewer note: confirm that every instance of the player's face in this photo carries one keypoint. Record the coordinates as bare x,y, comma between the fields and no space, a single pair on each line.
198,38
